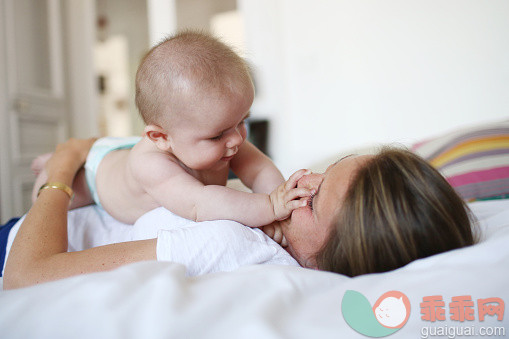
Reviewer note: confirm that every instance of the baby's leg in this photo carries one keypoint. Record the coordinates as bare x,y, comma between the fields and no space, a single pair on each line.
38,163
82,196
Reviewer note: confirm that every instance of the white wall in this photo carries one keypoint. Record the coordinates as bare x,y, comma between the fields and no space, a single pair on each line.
162,19
196,14
334,74
130,19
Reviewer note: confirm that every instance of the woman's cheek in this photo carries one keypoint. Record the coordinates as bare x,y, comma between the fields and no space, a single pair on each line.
302,216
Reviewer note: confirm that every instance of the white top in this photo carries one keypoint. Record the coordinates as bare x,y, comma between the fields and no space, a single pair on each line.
203,247
209,246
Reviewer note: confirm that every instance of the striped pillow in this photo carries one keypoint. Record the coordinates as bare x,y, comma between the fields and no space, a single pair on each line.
475,161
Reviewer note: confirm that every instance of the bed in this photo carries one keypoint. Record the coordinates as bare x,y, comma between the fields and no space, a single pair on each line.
158,299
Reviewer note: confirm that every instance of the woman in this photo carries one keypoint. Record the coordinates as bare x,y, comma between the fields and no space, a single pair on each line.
369,214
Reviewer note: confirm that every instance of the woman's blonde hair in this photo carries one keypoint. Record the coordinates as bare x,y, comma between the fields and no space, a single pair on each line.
397,209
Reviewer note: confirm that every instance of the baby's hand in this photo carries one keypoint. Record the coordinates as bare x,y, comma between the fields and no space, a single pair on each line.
287,197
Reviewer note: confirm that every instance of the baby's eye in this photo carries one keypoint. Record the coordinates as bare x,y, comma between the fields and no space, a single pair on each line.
217,137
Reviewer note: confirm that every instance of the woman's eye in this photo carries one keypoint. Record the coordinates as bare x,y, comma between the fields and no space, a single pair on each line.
310,201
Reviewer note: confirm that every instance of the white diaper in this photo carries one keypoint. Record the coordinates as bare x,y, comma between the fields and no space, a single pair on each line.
98,151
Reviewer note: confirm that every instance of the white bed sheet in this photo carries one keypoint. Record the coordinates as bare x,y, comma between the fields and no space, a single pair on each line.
157,300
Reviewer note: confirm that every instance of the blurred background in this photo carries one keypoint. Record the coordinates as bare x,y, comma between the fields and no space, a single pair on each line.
330,74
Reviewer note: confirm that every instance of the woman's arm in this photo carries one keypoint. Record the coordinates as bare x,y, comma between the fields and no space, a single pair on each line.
39,252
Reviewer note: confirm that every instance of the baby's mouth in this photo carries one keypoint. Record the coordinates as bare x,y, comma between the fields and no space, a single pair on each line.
229,157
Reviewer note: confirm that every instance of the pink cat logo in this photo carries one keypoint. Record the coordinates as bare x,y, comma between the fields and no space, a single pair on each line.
392,309
388,315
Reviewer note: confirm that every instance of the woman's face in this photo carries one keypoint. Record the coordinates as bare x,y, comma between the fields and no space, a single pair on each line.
308,227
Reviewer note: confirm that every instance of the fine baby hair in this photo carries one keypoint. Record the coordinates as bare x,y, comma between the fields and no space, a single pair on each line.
184,66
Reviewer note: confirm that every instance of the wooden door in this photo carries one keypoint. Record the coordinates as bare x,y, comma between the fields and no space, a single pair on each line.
34,112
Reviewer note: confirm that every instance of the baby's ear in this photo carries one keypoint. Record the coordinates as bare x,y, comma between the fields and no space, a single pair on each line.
158,136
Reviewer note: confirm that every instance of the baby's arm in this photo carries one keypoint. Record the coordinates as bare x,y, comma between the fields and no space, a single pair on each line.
184,195
255,169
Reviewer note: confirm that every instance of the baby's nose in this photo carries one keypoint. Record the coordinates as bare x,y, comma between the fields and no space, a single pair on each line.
234,140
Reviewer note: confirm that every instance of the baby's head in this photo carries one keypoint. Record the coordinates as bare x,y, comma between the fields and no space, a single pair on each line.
193,93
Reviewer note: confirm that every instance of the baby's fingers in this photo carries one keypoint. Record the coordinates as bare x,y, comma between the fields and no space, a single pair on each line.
296,193
295,177
294,204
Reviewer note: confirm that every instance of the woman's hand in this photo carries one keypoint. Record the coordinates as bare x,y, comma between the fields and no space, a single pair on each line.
287,196
67,159
39,251
275,232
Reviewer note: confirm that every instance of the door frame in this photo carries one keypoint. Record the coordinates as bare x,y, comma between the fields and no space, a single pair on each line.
78,43
79,40
6,204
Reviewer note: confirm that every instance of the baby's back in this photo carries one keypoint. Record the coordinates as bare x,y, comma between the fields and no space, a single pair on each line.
120,194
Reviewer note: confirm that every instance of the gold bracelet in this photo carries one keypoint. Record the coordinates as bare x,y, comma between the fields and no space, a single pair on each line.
58,185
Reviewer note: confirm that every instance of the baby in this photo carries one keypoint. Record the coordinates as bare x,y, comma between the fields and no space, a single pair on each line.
194,94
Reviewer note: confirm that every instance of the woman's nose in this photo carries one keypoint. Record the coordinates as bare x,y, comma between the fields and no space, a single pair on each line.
310,181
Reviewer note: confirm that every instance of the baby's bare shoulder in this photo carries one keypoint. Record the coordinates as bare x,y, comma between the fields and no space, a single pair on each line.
153,166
